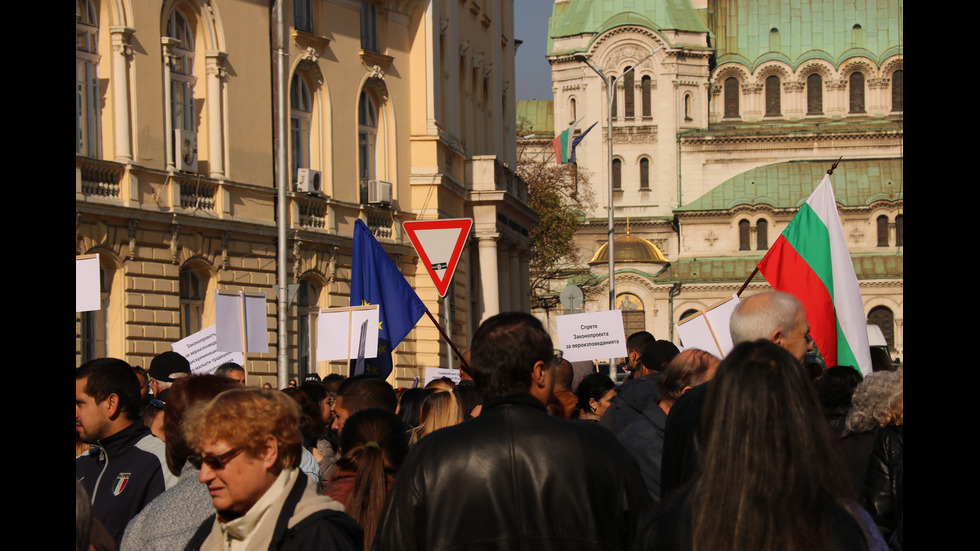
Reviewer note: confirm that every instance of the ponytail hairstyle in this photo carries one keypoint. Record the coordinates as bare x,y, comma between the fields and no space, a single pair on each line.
375,444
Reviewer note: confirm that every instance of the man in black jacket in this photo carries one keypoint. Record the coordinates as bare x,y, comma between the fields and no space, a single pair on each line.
126,469
515,477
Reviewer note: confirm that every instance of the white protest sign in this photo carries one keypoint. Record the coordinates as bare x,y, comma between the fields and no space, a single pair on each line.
201,350
229,307
339,332
592,336
88,287
433,373
709,330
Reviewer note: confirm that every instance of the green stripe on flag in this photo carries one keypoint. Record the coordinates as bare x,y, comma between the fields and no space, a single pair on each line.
809,237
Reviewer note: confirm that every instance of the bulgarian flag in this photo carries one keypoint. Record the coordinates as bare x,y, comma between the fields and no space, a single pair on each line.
810,261
564,144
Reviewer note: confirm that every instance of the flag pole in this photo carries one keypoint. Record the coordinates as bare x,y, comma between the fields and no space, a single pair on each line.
746,284
830,171
465,366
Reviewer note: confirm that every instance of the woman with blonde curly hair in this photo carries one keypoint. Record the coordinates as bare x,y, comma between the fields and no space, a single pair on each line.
883,485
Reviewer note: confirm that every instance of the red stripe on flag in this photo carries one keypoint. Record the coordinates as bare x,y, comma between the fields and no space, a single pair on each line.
786,270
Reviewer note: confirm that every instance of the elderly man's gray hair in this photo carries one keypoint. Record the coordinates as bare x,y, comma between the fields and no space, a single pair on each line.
759,316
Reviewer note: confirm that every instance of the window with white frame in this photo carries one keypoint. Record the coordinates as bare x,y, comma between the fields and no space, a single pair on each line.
300,123
307,312
86,79
367,137
181,72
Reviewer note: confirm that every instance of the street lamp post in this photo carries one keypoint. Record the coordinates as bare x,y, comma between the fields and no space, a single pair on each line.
610,82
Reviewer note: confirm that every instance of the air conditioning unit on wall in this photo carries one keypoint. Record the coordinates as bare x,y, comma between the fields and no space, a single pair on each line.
309,181
185,150
379,192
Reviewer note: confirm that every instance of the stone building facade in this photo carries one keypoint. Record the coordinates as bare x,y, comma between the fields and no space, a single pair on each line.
393,110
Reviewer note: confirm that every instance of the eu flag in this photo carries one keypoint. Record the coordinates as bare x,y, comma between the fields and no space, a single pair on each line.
376,280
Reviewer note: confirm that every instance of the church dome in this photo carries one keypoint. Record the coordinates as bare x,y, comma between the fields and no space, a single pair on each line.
630,249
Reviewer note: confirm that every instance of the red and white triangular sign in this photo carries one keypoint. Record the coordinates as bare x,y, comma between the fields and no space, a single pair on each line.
439,244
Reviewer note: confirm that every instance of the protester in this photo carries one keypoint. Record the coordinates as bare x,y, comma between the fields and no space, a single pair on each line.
169,521
644,437
769,479
595,393
633,396
231,370
883,489
125,468
514,477
439,410
248,444
362,392
375,445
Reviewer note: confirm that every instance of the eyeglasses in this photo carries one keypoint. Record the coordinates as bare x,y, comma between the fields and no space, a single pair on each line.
214,462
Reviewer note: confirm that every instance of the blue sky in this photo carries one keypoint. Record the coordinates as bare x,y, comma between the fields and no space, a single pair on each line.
533,72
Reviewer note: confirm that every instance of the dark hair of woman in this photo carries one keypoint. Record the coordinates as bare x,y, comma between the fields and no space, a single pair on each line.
469,396
836,386
310,424
184,393
410,406
769,478
594,386
375,444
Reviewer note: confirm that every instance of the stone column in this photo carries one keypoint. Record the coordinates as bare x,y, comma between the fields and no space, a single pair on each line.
503,269
488,275
121,53
216,146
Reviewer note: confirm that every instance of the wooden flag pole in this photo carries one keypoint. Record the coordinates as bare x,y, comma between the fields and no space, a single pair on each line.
465,366
834,166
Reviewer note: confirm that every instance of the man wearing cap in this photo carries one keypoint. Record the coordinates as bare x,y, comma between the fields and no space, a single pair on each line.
164,369
635,395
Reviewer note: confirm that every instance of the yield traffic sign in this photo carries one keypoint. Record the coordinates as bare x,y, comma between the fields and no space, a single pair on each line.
439,244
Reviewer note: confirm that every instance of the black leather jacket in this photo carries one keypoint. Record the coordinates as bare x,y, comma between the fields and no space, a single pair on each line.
883,483
515,478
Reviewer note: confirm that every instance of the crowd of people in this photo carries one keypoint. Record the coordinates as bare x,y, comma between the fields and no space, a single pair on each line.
752,451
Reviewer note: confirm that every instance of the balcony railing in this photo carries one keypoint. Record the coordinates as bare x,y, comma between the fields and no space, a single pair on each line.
99,178
196,193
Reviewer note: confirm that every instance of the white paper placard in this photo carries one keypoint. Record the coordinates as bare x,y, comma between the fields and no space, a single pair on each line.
709,330
592,336
228,322
256,323
88,285
432,373
201,351
339,332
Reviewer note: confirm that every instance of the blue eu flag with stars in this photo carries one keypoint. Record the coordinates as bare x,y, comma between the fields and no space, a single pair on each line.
376,280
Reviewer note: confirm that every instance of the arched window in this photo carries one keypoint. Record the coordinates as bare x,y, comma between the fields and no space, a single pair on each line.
646,96
897,85
369,27
572,110
688,115
814,94
617,174
367,137
615,105
86,79
300,123
744,243
687,314
644,173
629,90
883,317
899,230
856,88
307,303
762,235
773,106
181,72
634,318
731,97
195,297
882,231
